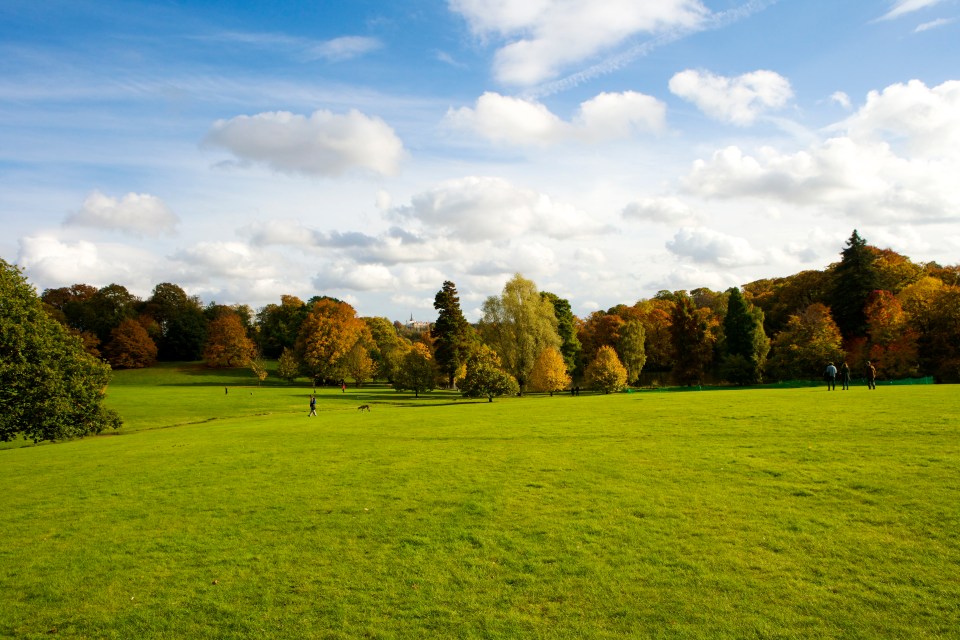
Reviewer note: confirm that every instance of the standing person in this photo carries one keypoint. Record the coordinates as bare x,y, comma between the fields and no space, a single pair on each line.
831,375
343,386
871,376
313,406
845,376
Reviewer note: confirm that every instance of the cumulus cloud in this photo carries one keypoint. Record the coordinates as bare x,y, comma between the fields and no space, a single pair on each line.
706,246
903,7
546,36
520,121
861,173
739,101
138,214
54,263
232,260
322,144
662,210
474,209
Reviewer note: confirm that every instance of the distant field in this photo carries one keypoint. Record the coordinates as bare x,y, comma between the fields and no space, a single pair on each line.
726,514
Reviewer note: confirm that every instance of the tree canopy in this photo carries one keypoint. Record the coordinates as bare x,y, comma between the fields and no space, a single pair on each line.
50,388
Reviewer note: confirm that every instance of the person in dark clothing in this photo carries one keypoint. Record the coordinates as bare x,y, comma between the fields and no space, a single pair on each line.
845,376
871,376
831,376
313,406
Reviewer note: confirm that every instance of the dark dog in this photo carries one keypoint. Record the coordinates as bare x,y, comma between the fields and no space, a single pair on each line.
363,407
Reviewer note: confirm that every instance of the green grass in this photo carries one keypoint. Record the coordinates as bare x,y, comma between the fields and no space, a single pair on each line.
742,514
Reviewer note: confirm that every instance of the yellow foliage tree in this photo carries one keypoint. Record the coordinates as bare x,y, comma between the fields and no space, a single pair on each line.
606,373
549,372
327,335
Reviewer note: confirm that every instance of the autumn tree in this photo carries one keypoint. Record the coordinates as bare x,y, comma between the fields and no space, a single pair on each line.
418,372
327,335
486,378
130,346
810,340
227,343
451,333
656,316
893,342
109,307
599,329
389,347
690,341
50,388
939,342
605,372
745,344
518,325
549,372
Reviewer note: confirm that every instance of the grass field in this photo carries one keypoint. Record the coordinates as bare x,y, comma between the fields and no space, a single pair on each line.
794,513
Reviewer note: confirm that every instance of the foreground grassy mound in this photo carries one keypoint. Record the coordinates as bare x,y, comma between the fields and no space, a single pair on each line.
767,513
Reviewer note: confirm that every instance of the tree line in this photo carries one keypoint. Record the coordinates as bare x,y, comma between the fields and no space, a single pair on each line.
872,305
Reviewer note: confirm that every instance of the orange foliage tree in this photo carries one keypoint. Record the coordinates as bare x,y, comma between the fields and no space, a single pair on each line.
326,336
130,346
549,372
227,343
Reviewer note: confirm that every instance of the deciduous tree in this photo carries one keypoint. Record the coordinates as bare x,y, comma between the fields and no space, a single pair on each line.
518,325
810,340
130,346
691,344
326,336
485,378
549,372
50,388
606,373
227,343
570,346
288,367
631,347
418,372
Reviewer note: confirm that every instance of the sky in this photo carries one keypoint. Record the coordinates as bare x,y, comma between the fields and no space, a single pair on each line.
371,150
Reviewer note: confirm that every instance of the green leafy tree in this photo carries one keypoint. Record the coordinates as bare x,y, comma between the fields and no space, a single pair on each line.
180,321
745,345
452,335
854,279
259,367
288,367
389,347
418,372
110,306
605,372
359,364
518,325
631,347
549,372
50,388
485,378
130,346
570,345
279,324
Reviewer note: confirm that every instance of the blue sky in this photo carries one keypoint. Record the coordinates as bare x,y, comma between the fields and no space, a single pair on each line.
371,150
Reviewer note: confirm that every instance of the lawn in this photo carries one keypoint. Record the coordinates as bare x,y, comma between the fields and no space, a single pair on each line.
734,514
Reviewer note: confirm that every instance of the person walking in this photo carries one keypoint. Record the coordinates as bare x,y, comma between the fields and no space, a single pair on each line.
845,376
313,406
831,375
871,376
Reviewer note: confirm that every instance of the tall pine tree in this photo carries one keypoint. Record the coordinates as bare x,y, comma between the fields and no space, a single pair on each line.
451,332
745,343
854,279
688,336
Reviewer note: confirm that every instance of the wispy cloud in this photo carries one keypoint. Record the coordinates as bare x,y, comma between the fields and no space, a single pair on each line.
620,60
304,49
903,7
933,24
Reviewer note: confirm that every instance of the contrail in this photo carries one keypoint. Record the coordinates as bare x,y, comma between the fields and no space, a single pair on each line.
611,64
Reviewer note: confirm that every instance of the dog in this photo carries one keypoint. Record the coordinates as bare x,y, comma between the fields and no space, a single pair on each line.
363,407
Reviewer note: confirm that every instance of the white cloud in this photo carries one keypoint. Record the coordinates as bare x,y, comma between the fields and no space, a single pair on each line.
739,101
356,277
841,98
546,36
323,144
138,214
861,173
231,260
903,7
55,263
713,247
663,210
933,24
343,48
520,121
926,119
476,208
